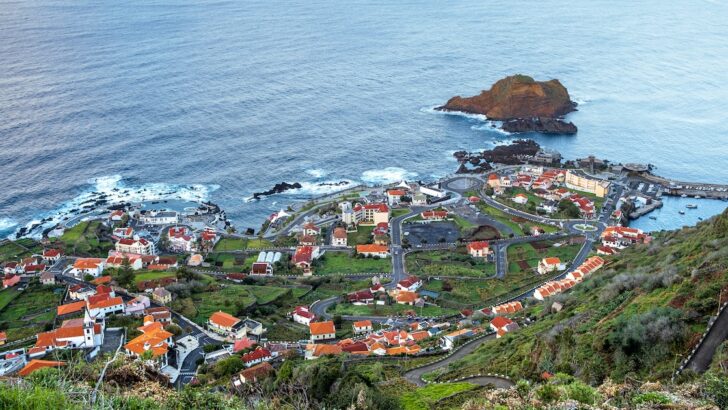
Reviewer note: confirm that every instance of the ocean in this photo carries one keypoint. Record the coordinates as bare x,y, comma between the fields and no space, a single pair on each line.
218,99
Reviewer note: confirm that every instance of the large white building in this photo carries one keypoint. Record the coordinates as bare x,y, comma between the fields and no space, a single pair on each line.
136,246
160,218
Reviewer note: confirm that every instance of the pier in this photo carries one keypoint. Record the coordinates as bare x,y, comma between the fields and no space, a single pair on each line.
692,189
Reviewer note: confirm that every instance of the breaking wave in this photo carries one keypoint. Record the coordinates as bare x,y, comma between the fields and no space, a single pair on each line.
111,190
387,175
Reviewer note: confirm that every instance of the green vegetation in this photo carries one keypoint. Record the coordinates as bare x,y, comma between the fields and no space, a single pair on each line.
343,262
529,254
462,223
230,244
385,310
400,211
87,238
448,263
147,275
7,296
428,396
31,311
16,250
231,262
633,319
233,299
362,236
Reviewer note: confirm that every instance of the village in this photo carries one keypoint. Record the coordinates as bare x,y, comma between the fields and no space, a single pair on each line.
406,270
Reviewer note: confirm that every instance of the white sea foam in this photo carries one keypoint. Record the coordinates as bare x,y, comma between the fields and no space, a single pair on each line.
113,190
317,173
323,187
432,110
6,224
387,175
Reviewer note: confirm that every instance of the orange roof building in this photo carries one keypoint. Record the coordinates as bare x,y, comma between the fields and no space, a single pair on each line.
70,308
153,339
373,250
322,330
223,321
36,364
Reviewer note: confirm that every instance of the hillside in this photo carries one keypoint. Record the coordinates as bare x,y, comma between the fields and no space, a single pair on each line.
635,320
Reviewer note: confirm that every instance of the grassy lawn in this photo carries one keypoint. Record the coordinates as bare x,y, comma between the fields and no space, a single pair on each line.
520,227
448,263
30,311
400,212
343,262
386,310
13,251
229,262
259,244
233,299
7,296
462,223
231,244
86,239
362,236
532,253
470,292
427,397
142,276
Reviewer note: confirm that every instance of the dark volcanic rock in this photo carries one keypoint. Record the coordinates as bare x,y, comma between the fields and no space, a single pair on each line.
537,105
277,189
539,124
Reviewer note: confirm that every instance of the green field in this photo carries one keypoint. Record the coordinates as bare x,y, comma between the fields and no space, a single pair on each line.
230,262
233,299
362,236
230,244
145,275
427,397
448,263
400,212
7,295
13,251
475,293
343,262
386,310
519,227
533,254
30,311
87,238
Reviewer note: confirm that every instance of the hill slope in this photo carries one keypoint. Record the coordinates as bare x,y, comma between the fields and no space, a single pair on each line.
637,318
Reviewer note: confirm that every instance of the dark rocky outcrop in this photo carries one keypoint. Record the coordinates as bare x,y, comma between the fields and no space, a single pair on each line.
523,104
277,189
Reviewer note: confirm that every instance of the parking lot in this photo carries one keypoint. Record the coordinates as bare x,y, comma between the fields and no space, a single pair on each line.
430,233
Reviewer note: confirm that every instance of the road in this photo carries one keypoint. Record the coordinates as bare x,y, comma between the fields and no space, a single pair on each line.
415,376
700,361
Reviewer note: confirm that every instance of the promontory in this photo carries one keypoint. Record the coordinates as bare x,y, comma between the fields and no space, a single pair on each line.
522,104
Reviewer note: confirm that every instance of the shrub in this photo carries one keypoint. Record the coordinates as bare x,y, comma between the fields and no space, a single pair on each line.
651,398
548,393
582,393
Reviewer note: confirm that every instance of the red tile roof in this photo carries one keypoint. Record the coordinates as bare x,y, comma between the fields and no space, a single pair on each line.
36,364
322,328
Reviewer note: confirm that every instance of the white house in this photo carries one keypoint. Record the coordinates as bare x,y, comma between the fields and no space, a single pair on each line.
88,266
322,331
135,246
339,237
409,284
302,315
521,199
160,218
547,265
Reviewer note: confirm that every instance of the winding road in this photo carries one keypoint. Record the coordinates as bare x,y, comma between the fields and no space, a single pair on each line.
415,375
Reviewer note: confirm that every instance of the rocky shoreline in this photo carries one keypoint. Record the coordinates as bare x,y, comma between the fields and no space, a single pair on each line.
277,189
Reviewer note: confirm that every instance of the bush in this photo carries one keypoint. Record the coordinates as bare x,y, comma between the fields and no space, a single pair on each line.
548,393
582,393
716,388
651,398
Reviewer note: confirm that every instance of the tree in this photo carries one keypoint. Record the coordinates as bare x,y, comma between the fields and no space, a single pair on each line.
569,209
185,274
126,274
88,277
338,320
